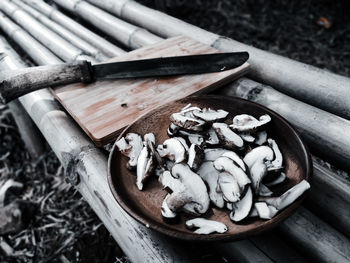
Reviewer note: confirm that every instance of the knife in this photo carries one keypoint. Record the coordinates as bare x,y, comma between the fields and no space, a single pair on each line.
16,83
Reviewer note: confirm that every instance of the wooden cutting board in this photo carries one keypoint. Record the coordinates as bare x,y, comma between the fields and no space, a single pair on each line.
104,108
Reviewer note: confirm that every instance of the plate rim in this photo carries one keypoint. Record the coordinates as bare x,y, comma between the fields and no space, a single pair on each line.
287,212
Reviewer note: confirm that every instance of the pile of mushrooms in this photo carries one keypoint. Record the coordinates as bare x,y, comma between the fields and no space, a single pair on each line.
205,160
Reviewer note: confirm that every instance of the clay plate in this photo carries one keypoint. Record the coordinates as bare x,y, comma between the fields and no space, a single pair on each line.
145,205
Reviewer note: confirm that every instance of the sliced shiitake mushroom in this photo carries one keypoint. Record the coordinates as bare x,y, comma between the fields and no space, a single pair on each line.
130,146
248,123
206,226
227,137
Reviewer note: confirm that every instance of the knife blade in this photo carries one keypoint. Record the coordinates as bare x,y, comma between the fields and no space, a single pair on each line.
14,84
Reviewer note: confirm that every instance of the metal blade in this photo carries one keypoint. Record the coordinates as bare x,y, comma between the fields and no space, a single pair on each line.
169,66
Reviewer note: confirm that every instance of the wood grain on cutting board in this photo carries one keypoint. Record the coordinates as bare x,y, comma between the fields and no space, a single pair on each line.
104,108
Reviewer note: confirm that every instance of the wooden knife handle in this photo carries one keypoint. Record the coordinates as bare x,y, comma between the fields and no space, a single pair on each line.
16,83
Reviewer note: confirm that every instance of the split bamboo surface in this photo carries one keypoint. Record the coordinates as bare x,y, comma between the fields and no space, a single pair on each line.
315,86
111,25
79,155
102,44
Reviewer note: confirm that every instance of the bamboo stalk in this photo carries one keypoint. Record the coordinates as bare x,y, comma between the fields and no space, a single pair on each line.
53,41
324,132
329,197
80,156
30,134
102,44
63,32
318,241
23,39
127,34
315,86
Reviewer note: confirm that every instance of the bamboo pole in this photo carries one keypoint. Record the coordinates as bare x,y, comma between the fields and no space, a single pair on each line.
53,41
105,46
79,156
318,241
325,133
29,133
329,197
63,32
22,38
127,34
310,84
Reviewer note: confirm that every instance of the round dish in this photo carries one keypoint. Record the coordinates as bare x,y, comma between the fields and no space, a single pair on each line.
145,205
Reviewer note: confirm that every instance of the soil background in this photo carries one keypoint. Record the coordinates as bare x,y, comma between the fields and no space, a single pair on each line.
62,227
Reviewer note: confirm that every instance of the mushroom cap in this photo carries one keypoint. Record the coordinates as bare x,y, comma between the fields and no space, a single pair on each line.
227,137
235,157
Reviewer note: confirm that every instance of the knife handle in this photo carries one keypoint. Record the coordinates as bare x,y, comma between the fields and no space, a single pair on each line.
16,83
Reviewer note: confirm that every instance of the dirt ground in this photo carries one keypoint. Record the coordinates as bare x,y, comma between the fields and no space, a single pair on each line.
62,227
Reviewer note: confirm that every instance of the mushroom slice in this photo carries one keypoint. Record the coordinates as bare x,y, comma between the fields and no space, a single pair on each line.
288,197
131,147
225,164
227,137
235,157
257,173
210,176
210,115
261,137
264,190
189,191
279,179
243,207
173,149
276,164
166,212
229,187
211,154
145,161
193,138
265,211
186,122
247,137
229,206
172,129
183,142
206,226
195,157
247,123
212,137
189,110
261,154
